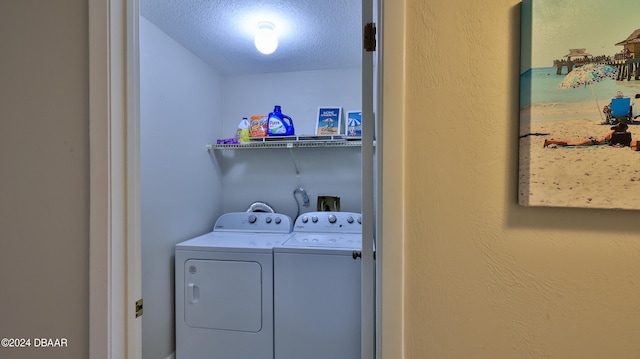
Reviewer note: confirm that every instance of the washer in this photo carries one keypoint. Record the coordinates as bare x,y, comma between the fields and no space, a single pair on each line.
224,288
317,288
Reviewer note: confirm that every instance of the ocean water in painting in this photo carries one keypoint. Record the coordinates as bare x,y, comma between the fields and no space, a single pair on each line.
539,87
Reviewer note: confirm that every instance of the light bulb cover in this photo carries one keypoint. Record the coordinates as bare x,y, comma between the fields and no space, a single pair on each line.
266,40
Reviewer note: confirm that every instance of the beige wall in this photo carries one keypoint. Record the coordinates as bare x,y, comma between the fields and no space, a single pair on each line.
44,176
486,278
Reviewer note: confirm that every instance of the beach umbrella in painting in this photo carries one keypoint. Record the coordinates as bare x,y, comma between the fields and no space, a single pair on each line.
329,122
353,122
588,75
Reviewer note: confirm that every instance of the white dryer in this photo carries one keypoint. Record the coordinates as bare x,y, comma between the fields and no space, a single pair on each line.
317,288
224,288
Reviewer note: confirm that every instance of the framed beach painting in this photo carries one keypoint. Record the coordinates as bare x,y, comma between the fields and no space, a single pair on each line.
579,104
354,123
329,121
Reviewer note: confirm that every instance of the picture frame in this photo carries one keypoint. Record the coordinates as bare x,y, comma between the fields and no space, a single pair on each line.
575,70
354,124
329,120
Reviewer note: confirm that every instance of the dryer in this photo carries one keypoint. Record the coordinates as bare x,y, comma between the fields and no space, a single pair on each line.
224,288
317,288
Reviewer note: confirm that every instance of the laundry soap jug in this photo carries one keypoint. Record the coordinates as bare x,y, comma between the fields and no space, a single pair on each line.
279,124
243,131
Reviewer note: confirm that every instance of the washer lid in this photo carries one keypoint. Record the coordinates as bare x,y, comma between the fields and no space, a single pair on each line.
321,243
234,242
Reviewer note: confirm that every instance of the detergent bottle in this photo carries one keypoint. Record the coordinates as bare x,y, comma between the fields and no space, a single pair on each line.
279,124
243,131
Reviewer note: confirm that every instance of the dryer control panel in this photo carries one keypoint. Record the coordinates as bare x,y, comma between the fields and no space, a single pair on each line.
329,222
254,222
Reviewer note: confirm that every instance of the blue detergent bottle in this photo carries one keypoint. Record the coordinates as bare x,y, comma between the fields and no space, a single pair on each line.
279,124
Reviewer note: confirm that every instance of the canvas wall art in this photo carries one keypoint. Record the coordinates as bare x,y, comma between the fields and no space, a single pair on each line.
580,104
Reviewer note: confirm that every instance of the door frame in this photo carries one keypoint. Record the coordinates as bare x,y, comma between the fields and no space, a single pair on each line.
390,176
114,167
114,227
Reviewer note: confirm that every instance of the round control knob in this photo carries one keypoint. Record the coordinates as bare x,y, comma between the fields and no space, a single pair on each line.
253,218
314,219
305,219
360,220
350,219
268,219
332,218
278,220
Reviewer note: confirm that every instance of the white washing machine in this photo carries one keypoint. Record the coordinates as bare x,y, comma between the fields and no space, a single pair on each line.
224,288
317,288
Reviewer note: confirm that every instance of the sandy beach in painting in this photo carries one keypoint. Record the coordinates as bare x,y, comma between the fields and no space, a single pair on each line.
591,176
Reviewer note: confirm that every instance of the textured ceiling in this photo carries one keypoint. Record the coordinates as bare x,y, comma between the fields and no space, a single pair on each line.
312,34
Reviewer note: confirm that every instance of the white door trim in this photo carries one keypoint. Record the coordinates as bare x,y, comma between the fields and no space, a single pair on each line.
367,286
114,215
106,216
134,232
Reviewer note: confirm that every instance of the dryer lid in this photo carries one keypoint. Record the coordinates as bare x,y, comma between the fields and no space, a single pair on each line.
234,242
259,222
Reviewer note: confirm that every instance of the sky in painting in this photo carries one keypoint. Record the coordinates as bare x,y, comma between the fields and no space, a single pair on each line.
597,25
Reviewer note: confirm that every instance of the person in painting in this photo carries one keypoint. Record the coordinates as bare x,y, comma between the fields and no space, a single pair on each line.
606,139
635,106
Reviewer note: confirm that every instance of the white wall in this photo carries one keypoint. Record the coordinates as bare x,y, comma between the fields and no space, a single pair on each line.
298,93
270,175
180,99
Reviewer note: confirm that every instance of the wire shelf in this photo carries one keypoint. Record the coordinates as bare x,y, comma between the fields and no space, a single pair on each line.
305,141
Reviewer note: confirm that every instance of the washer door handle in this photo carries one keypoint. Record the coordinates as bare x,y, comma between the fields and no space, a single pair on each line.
193,293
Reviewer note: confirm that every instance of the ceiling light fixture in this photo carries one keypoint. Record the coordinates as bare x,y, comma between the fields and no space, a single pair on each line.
266,40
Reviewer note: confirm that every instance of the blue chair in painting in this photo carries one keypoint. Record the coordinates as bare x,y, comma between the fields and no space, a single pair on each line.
620,111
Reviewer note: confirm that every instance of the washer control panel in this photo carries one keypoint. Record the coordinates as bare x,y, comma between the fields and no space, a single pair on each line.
330,222
254,222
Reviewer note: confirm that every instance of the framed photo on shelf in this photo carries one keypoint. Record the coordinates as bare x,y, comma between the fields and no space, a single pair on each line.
329,120
354,123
